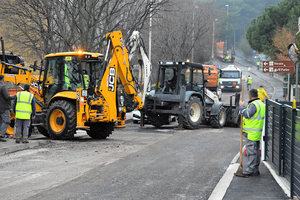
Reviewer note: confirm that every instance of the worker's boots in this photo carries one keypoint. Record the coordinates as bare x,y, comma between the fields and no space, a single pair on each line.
2,139
251,172
18,140
25,140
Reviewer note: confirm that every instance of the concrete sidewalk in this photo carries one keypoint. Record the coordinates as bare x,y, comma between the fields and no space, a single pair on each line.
267,185
34,140
11,145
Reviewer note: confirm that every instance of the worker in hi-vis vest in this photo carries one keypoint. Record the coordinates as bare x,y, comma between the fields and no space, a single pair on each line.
24,108
67,80
253,122
262,93
257,64
249,82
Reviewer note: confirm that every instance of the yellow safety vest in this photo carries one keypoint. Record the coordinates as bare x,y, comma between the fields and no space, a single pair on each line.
67,80
254,125
249,80
86,80
23,105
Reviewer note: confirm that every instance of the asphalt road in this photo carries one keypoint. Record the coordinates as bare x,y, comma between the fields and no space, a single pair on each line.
133,163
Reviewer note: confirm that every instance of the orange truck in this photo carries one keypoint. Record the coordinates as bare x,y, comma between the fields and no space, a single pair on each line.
211,74
223,54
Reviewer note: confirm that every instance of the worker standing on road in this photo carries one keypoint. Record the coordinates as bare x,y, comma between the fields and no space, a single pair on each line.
249,82
24,106
253,122
227,58
262,93
257,64
5,104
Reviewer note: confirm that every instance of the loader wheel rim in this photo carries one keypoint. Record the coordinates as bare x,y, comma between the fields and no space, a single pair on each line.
57,120
195,112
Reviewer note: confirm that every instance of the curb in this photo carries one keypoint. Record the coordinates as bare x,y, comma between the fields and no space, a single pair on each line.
32,144
19,147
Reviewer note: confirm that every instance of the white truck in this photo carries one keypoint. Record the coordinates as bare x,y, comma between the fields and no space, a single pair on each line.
230,79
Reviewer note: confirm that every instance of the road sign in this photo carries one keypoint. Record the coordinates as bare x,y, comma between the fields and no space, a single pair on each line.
274,69
278,63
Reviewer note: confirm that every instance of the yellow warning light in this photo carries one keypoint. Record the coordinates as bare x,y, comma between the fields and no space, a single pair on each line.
79,51
188,60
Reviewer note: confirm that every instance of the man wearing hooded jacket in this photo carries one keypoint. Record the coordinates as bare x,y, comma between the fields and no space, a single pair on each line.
253,122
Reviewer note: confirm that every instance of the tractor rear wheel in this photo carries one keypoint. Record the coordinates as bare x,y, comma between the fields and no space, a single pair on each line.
193,113
100,130
219,121
61,120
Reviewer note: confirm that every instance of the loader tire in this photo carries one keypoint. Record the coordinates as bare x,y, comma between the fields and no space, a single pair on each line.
11,127
61,120
193,113
43,131
219,121
100,130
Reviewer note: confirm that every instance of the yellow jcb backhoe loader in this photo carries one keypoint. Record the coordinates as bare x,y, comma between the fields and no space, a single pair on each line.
78,90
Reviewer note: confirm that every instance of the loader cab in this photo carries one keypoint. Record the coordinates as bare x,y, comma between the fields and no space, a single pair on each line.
173,76
69,71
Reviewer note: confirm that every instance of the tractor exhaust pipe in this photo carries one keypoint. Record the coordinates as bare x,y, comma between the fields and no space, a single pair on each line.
3,51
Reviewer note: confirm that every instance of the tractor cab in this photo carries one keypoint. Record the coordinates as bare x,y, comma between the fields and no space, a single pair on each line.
173,76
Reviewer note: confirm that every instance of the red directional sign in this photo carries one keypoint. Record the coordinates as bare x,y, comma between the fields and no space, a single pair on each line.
277,66
278,69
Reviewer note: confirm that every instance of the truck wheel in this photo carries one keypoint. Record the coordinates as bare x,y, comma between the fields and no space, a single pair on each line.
61,120
43,131
193,113
100,130
219,121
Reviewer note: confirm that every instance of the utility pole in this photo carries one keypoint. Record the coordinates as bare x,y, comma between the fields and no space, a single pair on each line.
213,41
227,28
193,34
150,34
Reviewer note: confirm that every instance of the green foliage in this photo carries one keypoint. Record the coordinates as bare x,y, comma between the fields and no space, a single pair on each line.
245,47
242,13
261,32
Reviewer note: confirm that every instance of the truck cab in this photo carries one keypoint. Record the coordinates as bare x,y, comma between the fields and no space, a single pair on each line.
231,79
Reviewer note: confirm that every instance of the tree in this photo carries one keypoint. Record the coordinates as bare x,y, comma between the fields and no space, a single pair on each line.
43,26
263,29
281,40
181,30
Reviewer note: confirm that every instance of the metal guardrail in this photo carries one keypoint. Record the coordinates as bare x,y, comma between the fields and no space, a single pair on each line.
282,141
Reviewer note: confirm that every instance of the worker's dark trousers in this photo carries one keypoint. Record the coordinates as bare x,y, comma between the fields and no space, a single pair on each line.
22,124
248,86
4,122
253,153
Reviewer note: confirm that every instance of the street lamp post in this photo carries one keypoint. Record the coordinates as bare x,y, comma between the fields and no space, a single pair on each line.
150,34
227,28
193,34
213,41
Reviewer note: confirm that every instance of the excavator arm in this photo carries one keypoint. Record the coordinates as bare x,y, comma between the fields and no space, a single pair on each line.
116,65
137,49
